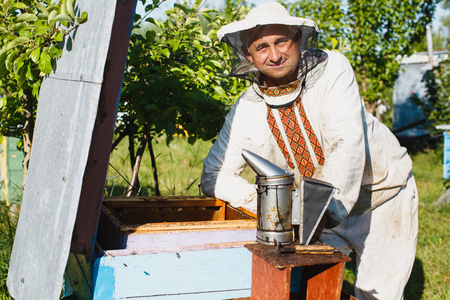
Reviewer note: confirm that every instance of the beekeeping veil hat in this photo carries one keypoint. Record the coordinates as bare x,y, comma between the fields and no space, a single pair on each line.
236,36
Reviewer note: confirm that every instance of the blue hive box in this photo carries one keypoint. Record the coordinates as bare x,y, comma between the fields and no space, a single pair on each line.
446,169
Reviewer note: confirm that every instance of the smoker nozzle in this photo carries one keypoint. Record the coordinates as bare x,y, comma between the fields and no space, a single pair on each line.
263,167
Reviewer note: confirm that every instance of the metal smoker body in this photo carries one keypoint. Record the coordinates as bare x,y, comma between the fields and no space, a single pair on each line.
274,209
280,206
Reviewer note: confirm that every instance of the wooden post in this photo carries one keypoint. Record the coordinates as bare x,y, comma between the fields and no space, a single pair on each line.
269,282
322,281
83,238
321,275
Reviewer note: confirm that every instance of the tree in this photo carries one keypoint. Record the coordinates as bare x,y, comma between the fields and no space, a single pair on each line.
175,81
30,35
436,102
446,24
377,32
440,35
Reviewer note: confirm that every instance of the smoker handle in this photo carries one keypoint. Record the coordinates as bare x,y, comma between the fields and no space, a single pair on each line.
296,215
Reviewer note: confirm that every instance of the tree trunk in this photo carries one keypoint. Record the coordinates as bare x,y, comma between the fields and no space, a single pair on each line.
371,107
131,149
152,158
134,184
444,199
28,128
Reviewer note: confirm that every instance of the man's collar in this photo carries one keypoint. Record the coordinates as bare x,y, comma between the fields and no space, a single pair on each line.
281,90
279,96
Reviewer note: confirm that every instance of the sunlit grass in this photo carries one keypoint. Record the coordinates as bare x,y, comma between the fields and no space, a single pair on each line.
434,236
179,166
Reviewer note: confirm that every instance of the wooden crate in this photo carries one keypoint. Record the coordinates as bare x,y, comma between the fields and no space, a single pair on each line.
181,248
166,248
168,222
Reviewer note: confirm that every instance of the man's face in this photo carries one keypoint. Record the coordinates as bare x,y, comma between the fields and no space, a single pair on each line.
274,53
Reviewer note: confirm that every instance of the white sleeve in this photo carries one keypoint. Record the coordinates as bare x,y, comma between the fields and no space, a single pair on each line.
343,138
224,164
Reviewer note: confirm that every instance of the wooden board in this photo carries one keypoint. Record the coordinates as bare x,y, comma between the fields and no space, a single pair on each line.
66,114
203,274
271,255
80,275
88,213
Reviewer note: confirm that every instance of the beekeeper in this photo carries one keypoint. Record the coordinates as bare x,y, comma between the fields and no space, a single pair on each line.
303,112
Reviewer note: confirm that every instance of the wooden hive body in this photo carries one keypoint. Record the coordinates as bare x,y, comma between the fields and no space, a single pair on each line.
166,248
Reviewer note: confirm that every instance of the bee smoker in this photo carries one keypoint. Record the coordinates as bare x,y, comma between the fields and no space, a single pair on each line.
280,206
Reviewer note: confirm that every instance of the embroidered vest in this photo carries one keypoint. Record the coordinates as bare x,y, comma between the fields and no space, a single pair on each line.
301,140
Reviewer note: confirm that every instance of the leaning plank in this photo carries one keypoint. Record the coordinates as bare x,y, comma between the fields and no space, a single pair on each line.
83,238
67,109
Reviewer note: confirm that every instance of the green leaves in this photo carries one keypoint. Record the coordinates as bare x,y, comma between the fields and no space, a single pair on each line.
52,16
175,75
26,17
63,18
83,18
45,63
70,8
377,32
41,8
17,41
340,45
165,52
30,32
192,21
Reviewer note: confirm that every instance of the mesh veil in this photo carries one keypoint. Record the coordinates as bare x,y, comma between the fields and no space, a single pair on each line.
310,55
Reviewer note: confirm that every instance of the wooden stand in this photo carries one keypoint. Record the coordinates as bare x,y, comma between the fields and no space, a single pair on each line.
321,275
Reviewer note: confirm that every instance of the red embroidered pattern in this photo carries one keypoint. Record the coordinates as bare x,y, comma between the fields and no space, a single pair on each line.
277,134
281,90
311,135
296,139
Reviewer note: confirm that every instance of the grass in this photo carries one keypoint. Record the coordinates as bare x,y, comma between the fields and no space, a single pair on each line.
179,169
7,229
431,269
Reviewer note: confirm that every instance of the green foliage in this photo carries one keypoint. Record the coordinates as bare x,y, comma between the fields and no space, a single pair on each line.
436,102
176,76
377,32
329,16
440,39
441,35
30,36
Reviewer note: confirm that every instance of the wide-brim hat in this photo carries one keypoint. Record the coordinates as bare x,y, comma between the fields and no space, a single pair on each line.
269,13
265,14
